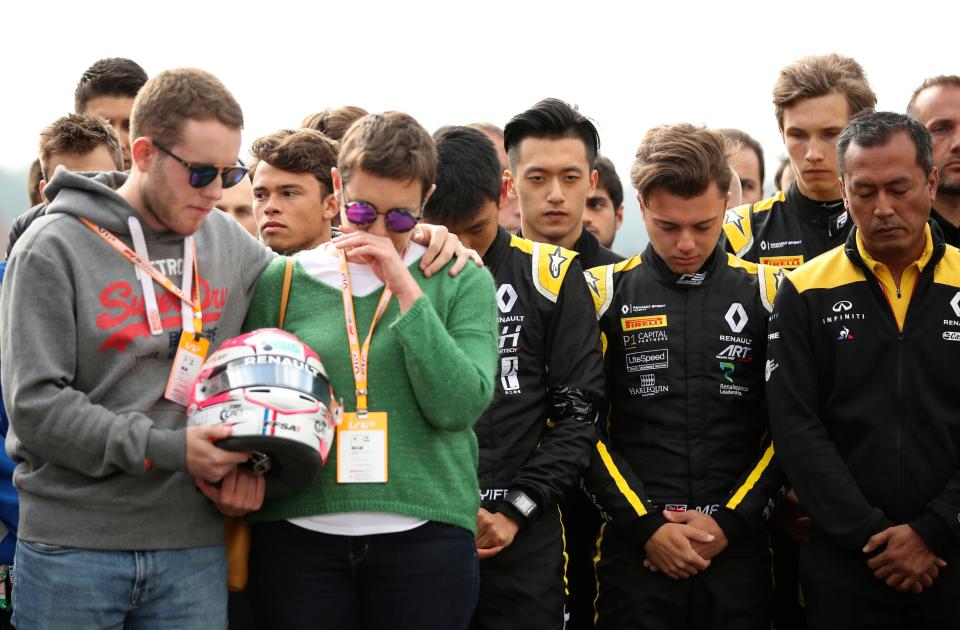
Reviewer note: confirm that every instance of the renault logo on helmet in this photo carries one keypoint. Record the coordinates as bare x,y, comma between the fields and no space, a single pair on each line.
843,305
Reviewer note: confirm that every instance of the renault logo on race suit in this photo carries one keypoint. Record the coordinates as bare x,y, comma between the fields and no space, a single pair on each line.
506,298
736,317
845,305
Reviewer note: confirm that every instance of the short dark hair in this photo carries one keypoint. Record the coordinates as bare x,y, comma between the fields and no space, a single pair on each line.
683,160
468,175
874,129
392,145
553,119
334,123
300,151
114,76
951,80
78,134
746,140
609,180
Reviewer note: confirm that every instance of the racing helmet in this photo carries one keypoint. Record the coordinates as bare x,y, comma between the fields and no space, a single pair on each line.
273,390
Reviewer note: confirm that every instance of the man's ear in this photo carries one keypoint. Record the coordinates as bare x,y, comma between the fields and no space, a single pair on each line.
142,154
330,207
594,178
509,189
40,187
843,195
618,214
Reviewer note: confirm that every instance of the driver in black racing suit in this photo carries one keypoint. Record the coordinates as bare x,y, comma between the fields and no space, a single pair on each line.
685,474
536,436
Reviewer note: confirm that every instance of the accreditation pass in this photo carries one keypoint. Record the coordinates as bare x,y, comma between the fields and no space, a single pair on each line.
362,448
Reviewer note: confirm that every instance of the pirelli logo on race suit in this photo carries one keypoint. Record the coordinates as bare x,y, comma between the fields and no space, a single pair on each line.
790,262
638,323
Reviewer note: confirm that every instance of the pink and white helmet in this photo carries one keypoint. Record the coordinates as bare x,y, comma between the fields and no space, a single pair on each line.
272,389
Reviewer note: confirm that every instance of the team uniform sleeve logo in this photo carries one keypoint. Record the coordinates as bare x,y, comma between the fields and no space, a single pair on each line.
550,265
738,229
770,280
600,282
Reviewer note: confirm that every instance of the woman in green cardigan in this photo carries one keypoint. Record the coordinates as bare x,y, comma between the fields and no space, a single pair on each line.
385,536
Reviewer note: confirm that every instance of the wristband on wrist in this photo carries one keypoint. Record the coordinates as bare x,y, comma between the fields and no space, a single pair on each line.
526,506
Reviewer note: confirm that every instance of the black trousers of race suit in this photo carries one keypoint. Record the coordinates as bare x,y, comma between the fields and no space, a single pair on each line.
522,587
841,592
732,594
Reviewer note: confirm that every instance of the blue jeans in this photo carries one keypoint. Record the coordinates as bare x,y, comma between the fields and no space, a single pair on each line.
61,587
427,578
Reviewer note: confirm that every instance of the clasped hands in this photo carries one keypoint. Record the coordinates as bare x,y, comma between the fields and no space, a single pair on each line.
685,545
906,563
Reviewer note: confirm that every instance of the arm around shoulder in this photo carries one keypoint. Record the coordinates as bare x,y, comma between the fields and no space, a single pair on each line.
454,363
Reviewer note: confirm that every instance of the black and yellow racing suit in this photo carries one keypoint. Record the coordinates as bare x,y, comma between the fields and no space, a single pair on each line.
785,230
536,436
687,430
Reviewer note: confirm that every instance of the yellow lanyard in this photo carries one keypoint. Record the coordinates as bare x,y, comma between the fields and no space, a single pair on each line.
154,273
359,355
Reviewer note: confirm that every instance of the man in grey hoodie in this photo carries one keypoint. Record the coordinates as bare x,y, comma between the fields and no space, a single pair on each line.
113,530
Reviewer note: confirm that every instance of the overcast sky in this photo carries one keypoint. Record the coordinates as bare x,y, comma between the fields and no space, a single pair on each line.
628,67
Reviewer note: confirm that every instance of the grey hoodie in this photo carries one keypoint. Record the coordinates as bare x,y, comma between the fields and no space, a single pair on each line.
83,378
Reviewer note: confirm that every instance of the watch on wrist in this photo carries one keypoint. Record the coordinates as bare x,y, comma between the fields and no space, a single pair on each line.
523,504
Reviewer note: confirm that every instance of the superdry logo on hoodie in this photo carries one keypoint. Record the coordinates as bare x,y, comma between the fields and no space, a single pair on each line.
125,318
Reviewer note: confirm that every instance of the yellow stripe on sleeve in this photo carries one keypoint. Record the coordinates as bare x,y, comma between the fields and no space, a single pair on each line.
622,486
752,479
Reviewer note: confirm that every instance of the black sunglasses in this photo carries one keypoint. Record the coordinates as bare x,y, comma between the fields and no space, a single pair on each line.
202,174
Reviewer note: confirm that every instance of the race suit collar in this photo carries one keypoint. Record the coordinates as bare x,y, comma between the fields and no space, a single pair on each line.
830,215
499,245
684,280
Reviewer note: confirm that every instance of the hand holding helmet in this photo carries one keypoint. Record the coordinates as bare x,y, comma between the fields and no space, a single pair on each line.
272,391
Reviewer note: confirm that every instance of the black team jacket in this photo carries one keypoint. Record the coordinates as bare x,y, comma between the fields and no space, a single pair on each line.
864,415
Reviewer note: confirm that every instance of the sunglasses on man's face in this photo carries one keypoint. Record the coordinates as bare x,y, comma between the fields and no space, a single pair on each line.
364,215
202,174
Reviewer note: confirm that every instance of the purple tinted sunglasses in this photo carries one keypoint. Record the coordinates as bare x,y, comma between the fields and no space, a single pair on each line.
364,215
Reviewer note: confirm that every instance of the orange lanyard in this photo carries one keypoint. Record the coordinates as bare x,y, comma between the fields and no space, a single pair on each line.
154,273
359,355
